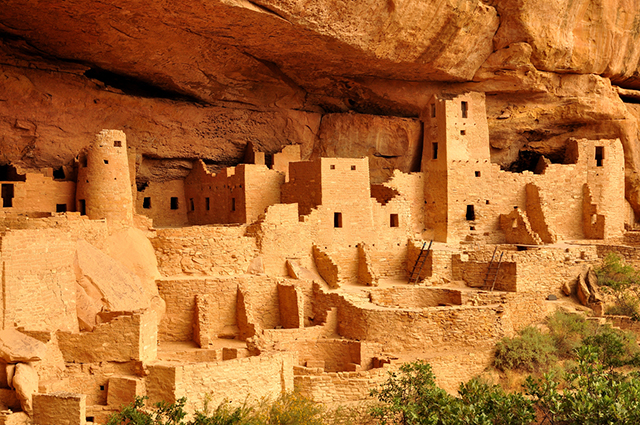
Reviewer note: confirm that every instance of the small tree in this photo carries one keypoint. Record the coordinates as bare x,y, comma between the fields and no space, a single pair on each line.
594,394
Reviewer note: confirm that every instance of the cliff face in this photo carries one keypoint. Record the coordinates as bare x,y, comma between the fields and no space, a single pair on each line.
201,79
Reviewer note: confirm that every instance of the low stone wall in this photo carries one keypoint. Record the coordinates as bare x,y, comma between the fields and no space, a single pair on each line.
415,297
122,337
337,387
250,379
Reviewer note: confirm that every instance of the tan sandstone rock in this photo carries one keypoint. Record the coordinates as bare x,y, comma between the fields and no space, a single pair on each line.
18,347
25,382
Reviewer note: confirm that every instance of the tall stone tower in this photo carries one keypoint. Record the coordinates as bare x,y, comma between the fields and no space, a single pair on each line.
455,131
104,185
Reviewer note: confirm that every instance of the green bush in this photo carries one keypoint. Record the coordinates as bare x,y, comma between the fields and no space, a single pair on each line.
623,282
411,397
289,409
592,394
568,330
529,351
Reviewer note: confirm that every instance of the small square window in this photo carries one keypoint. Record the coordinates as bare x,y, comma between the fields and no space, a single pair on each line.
106,161
394,220
207,204
191,204
174,203
146,203
60,208
463,132
101,387
332,167
464,107
478,174
486,202
117,143
353,167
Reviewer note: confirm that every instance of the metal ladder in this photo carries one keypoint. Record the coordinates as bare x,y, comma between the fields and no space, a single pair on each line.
422,258
492,270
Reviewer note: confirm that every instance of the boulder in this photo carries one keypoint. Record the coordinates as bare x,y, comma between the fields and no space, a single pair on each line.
582,290
18,347
25,381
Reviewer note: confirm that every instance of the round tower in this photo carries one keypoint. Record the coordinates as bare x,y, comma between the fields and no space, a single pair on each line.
104,186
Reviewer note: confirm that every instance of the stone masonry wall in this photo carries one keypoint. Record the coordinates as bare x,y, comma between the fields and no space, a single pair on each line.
204,250
122,337
38,280
235,381
157,197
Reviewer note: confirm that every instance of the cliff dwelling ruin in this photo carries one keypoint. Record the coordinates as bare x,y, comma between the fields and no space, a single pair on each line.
257,279
231,200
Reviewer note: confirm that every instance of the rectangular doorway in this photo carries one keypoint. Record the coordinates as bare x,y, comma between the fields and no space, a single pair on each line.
7,195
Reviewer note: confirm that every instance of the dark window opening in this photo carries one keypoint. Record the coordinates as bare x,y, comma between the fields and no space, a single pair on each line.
463,132
141,185
90,419
433,111
337,219
8,173
207,204
394,220
83,162
191,204
471,213
146,203
106,161
82,206
7,195
472,227
117,143
434,150
464,106
174,203
478,174
268,160
101,387
60,208
58,174
486,202
599,155
332,167
353,167
233,204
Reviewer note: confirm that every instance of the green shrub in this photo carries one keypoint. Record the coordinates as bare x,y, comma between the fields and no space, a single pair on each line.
623,282
593,394
567,331
289,409
614,347
411,397
529,351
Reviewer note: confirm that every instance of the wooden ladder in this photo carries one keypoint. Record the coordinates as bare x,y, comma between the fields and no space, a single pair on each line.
417,267
492,270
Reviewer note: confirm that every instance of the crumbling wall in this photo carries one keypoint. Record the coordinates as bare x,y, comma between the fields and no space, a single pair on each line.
204,250
180,297
39,291
118,337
